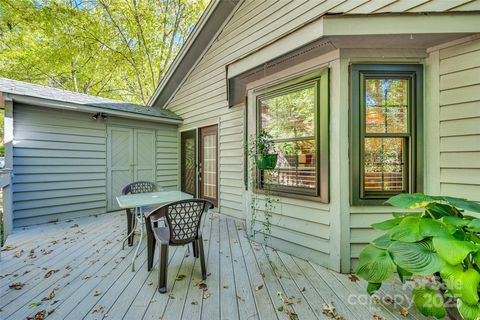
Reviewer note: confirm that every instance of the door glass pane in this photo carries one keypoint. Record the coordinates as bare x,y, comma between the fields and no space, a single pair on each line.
386,102
210,166
384,164
188,161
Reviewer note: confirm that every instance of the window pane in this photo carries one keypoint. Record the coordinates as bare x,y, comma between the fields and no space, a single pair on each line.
296,166
384,164
386,102
290,115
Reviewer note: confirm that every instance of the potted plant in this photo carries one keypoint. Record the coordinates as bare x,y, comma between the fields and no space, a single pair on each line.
265,159
441,241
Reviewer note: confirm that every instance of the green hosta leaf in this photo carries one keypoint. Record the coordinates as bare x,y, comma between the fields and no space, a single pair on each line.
410,201
467,311
429,302
476,259
433,228
387,224
382,242
375,265
452,250
455,221
406,214
464,204
474,225
417,257
462,284
404,275
373,287
440,210
407,231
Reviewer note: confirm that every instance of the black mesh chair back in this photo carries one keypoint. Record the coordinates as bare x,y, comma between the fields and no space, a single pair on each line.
183,218
141,187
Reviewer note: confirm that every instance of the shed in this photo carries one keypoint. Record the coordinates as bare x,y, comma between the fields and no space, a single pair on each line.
69,154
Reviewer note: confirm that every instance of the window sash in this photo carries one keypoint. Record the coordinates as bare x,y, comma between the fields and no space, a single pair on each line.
278,93
412,138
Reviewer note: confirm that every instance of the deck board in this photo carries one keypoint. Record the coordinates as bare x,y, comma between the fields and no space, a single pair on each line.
245,280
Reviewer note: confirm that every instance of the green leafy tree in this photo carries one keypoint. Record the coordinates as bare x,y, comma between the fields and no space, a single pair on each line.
114,48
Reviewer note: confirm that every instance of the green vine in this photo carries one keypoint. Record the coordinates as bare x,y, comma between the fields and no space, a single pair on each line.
256,145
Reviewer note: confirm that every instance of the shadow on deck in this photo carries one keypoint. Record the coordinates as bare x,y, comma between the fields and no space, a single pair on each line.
77,270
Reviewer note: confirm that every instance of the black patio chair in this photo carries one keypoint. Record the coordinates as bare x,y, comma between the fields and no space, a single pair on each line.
183,219
134,188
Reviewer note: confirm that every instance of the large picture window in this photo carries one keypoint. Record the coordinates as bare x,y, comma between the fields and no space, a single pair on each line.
295,114
386,131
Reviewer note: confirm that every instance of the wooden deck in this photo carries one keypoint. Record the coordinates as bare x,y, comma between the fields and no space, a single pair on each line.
77,270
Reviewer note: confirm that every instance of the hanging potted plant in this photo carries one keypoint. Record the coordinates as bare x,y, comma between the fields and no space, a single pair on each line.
265,159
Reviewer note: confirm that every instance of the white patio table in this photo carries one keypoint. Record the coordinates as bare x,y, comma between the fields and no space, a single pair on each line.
139,201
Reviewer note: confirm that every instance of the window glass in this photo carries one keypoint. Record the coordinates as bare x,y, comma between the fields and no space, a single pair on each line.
386,104
289,117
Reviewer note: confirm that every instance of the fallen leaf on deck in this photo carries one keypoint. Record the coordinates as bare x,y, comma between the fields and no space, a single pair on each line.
375,299
206,295
74,226
209,274
202,285
8,248
50,296
97,293
50,312
353,277
280,308
45,252
194,303
49,273
150,283
291,315
262,274
86,277
16,286
98,309
259,287
404,312
377,317
35,304
302,289
40,315
180,277
18,254
171,296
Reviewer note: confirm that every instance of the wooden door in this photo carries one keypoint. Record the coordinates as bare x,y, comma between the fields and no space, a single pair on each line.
208,163
120,156
144,155
188,165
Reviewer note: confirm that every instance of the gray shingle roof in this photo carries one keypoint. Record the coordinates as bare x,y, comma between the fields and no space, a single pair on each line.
50,93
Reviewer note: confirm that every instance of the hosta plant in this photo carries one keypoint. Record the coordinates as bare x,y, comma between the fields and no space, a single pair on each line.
440,240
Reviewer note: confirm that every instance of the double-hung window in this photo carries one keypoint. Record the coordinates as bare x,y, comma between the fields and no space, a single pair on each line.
386,131
295,114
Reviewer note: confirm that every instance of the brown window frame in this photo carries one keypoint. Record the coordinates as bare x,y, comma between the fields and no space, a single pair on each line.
413,175
321,80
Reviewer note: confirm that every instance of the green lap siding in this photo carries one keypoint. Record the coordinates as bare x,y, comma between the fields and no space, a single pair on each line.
59,165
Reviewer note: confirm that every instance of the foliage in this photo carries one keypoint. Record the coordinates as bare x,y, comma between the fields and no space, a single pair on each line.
116,49
441,240
260,145
263,144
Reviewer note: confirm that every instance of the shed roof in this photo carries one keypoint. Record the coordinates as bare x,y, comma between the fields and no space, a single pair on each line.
25,89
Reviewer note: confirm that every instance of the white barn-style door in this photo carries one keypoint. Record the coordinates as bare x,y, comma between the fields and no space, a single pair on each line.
130,157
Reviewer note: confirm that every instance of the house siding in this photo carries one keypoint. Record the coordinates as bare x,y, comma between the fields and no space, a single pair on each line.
460,120
59,166
312,229
59,162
